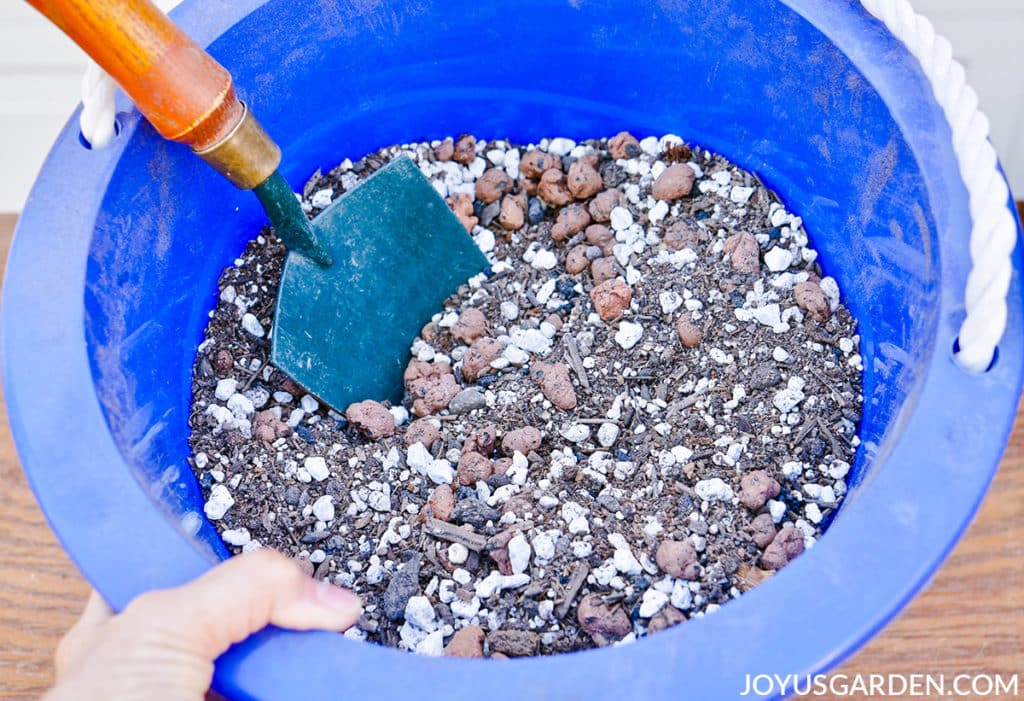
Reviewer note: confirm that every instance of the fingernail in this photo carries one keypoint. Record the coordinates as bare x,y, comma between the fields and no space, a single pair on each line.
338,598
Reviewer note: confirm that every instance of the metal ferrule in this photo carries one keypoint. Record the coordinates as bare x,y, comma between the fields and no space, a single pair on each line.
247,156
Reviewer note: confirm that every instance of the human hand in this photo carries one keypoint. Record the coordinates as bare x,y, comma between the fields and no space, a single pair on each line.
162,646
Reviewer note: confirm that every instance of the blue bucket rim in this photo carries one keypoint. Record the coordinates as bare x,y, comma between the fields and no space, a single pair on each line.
843,592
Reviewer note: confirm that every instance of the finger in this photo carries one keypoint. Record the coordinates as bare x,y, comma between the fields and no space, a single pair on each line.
241,596
79,637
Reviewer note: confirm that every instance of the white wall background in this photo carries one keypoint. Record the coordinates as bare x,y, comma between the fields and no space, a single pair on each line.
40,72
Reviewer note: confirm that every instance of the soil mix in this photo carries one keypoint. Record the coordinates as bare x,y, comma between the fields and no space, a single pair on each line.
645,406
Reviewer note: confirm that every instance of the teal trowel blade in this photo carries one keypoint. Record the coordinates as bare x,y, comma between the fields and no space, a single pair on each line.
343,332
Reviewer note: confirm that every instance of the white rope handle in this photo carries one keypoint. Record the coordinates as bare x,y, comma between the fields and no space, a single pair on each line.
993,229
993,232
98,118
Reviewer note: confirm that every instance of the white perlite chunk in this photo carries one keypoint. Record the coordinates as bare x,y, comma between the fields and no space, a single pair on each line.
496,581
432,645
786,400
777,509
225,388
629,334
778,259
420,613
626,562
322,198
653,601
544,260
317,468
669,301
440,471
531,340
577,433
543,547
713,489
560,146
830,287
658,212
323,508
607,434
252,325
519,554
457,553
219,502
418,458
621,219
236,536
741,194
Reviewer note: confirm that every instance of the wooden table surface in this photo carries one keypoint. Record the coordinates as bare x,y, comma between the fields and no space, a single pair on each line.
970,620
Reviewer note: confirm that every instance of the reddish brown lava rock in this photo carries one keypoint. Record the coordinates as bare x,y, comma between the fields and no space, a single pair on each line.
601,236
522,505
744,253
552,188
465,150
467,642
611,298
472,324
690,332
583,179
431,385
223,362
666,618
554,320
267,427
422,431
535,162
430,331
605,624
623,145
555,384
514,643
492,185
762,530
474,468
445,151
371,419
418,369
571,220
442,502
521,440
787,544
512,216
502,465
677,181
603,270
477,360
481,441
756,488
683,233
678,558
576,260
601,206
497,548
462,206
809,297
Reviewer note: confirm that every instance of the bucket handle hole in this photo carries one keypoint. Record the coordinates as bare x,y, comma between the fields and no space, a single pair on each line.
117,132
992,363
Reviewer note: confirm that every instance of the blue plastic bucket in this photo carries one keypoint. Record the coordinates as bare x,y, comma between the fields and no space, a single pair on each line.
117,254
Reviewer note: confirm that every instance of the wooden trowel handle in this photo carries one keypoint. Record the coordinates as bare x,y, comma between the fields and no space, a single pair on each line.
183,92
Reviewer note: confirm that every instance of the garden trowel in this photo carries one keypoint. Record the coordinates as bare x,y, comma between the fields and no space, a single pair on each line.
362,278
